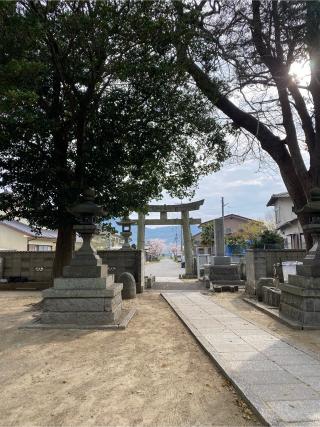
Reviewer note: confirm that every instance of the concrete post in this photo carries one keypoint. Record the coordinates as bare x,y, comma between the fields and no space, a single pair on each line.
141,231
187,243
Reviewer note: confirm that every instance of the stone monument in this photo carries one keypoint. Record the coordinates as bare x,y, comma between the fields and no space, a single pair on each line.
300,297
221,271
86,296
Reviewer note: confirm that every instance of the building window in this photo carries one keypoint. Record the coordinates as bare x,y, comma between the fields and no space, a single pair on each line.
39,248
228,230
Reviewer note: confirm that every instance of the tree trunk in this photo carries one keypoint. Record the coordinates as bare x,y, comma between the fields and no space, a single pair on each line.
64,249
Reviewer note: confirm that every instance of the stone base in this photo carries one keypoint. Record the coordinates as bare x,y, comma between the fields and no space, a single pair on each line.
224,274
300,300
122,323
82,301
225,288
271,296
221,260
263,281
187,276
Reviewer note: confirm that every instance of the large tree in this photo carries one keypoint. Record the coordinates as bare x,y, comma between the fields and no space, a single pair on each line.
258,63
82,104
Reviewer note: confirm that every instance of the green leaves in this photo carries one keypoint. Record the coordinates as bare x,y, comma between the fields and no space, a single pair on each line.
90,95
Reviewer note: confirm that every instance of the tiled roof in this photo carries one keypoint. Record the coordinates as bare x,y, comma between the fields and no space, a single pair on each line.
26,229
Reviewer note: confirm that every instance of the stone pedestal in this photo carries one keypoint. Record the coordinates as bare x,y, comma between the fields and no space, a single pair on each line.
300,297
221,271
300,300
86,296
82,302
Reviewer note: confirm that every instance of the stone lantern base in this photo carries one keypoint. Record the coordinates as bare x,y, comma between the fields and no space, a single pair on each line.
86,297
300,301
82,301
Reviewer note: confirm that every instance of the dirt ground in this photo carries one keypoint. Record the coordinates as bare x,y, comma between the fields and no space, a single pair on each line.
152,374
306,340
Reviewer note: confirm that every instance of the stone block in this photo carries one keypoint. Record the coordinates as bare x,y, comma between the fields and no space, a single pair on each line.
81,304
223,272
271,296
85,271
81,318
109,292
263,281
221,260
129,286
83,283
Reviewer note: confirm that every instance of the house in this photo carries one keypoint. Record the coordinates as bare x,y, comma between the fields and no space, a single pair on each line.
17,236
232,224
286,221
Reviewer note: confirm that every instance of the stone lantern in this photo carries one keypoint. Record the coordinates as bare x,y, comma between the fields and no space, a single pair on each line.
85,296
300,297
126,233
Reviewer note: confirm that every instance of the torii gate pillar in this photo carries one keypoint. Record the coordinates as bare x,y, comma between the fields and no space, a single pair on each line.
187,241
141,231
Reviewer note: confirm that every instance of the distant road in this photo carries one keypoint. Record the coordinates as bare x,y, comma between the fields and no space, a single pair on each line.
165,268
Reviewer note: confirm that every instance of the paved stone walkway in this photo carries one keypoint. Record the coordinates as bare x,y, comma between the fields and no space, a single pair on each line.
279,381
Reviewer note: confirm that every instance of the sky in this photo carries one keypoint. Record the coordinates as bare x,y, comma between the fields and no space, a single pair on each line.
245,187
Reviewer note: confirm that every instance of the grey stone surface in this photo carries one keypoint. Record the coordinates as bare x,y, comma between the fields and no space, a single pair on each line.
284,392
263,281
82,317
219,238
260,263
109,292
223,274
297,410
80,283
129,286
85,271
259,364
271,296
221,260
81,304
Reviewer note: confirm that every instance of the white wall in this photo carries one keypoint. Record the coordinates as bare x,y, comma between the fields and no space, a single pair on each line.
12,240
283,211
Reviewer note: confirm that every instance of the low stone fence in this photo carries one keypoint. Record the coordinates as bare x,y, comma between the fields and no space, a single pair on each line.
260,263
37,266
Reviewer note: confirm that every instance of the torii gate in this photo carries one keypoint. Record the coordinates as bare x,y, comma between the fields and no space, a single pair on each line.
185,221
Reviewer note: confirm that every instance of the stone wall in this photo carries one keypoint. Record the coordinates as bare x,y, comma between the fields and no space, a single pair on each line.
260,262
37,266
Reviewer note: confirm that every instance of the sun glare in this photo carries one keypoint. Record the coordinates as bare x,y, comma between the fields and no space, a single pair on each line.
300,71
